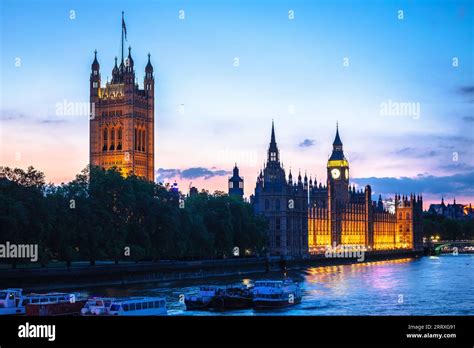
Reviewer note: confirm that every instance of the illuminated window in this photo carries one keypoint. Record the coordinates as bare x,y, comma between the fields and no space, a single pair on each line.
231,184
112,139
241,184
119,139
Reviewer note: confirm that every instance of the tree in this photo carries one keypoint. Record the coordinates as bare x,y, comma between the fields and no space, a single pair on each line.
100,213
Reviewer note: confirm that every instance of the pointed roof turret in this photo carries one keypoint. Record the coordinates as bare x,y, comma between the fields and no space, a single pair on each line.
115,72
149,67
129,61
273,134
273,155
95,63
337,139
337,152
236,170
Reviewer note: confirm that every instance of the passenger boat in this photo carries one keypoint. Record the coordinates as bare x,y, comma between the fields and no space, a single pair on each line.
139,306
204,300
97,306
276,294
55,303
11,302
235,297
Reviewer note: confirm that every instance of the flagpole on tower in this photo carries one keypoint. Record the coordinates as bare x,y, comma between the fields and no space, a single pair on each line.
123,21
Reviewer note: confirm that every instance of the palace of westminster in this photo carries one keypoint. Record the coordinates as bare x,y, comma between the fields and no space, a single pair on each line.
303,216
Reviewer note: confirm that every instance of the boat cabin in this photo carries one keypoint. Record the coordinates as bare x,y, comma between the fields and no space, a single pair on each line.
139,306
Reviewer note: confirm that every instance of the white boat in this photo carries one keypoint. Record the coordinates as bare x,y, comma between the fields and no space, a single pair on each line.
97,306
139,306
11,302
276,294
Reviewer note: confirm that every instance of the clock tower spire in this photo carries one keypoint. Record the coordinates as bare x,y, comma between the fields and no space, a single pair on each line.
338,171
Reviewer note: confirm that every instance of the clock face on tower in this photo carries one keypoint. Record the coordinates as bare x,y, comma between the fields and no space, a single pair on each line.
335,173
346,174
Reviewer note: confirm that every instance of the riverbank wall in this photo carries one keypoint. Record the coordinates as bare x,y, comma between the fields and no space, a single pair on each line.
86,276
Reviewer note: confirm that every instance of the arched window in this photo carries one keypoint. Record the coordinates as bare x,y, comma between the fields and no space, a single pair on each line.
104,147
135,140
143,140
139,140
119,141
408,216
400,216
112,139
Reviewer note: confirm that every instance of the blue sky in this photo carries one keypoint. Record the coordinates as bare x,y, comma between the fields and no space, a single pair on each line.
290,70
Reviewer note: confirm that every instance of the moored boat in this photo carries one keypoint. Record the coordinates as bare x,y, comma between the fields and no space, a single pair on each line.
276,294
204,300
138,306
11,302
97,306
235,297
55,303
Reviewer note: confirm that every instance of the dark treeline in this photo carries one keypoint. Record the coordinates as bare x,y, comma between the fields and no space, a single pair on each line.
447,229
101,215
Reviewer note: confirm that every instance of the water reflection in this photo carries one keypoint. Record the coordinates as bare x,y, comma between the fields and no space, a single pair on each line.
428,286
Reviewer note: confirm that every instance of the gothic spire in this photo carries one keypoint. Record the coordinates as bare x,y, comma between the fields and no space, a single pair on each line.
95,63
337,152
149,67
337,139
273,155
273,141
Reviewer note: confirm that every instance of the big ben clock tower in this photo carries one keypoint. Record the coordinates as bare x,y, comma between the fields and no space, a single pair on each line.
338,173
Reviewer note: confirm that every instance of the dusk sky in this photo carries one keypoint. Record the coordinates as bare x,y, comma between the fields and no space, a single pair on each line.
226,69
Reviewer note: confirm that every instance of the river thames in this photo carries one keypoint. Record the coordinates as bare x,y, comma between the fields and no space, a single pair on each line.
432,285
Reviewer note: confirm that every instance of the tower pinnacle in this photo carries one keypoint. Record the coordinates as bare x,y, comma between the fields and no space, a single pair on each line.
273,155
